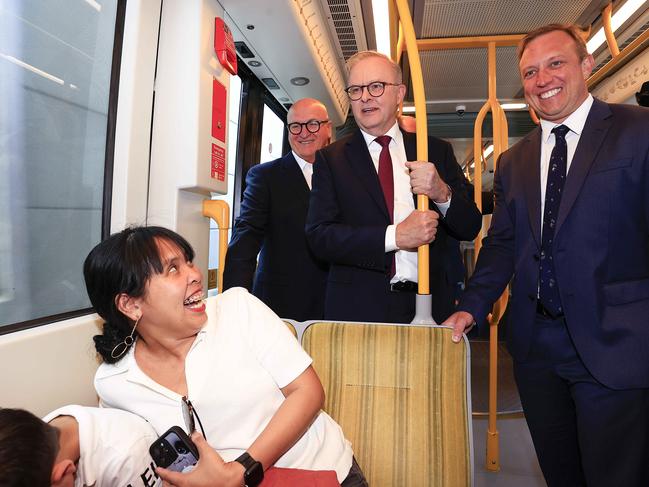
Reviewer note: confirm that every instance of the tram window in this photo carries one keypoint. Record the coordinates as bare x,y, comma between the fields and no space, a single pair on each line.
272,136
55,71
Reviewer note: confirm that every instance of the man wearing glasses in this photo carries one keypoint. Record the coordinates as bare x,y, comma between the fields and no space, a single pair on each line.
289,278
361,216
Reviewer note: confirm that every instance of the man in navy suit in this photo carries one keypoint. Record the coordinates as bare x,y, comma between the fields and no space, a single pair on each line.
289,278
362,217
571,225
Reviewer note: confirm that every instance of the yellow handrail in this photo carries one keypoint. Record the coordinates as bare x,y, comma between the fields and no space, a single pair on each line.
219,211
423,254
608,30
500,142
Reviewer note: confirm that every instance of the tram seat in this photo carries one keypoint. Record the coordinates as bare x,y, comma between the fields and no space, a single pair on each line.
402,396
50,366
290,324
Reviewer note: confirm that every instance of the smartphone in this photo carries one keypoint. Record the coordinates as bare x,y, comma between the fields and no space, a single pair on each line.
174,450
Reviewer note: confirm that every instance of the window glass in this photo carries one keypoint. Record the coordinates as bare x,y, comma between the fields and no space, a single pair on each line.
272,136
55,68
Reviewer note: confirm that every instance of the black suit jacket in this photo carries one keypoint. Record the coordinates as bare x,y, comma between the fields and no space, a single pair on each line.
289,279
600,248
347,222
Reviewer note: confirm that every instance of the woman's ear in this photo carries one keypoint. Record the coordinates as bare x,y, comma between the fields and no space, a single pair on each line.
128,306
61,470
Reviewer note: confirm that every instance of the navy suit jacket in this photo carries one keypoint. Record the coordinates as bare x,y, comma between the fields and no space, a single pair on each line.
348,218
289,279
600,249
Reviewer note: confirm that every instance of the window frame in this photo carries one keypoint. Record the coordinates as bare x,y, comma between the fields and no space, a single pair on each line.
120,16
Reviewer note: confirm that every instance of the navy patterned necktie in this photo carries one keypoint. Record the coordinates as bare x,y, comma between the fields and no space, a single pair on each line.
548,290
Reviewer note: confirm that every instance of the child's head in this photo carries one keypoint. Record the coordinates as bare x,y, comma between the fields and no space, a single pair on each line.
28,449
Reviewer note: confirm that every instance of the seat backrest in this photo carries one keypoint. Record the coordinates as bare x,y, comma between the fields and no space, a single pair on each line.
401,395
290,324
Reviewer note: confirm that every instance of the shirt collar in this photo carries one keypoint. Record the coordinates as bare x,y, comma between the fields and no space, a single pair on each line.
127,363
394,132
300,162
575,121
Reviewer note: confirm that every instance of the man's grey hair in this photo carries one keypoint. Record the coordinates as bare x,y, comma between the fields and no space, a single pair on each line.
361,55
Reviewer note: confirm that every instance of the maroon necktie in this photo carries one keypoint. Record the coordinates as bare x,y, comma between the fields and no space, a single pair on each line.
387,182
385,174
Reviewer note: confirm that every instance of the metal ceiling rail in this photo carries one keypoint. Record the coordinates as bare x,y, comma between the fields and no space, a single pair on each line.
468,42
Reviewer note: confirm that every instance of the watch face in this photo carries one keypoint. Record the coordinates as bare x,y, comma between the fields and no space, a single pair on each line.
254,475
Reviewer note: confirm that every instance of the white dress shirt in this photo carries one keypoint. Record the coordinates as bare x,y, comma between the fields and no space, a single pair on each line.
405,260
575,122
306,167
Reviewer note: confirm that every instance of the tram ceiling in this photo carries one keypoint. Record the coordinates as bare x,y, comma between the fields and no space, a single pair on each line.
452,77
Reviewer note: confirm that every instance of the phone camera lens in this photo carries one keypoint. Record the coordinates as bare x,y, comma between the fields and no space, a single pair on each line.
180,447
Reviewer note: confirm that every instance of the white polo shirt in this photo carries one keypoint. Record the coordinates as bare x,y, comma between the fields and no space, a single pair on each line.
114,447
234,369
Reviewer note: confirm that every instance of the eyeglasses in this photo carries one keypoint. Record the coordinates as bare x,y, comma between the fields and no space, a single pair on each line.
312,126
188,416
375,89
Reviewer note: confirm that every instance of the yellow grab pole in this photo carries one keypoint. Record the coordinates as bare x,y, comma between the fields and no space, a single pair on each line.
608,30
422,127
533,115
477,170
400,42
219,211
493,463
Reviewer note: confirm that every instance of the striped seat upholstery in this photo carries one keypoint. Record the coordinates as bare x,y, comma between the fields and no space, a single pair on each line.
400,393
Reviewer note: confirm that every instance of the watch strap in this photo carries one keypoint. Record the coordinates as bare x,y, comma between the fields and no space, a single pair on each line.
254,472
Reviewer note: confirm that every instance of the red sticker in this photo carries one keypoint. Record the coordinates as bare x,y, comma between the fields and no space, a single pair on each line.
219,105
218,163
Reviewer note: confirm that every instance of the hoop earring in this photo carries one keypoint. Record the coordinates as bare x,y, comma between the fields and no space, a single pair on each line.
121,348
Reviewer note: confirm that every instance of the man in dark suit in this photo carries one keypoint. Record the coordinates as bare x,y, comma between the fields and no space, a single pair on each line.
571,225
362,217
289,279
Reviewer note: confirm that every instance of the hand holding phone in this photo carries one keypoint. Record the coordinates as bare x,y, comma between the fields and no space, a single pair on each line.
174,450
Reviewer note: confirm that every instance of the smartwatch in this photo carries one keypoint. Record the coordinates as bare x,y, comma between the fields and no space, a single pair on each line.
254,473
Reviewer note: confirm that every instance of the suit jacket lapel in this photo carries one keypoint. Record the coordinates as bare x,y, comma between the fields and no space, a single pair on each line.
410,144
532,180
590,141
360,160
294,178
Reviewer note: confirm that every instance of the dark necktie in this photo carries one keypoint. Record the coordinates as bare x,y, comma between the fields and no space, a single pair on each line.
386,179
385,173
548,289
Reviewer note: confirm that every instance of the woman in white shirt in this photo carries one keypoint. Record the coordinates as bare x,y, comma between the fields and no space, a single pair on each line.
249,381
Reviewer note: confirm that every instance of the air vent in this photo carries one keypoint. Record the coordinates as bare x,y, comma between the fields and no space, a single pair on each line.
631,38
346,24
243,50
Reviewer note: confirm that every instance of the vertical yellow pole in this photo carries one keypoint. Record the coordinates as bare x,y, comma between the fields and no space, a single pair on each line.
219,211
422,127
493,463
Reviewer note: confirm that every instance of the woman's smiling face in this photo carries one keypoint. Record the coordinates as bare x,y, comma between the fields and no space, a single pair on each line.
172,305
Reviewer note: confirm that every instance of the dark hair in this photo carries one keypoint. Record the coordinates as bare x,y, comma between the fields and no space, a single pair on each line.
124,263
642,96
28,449
576,32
